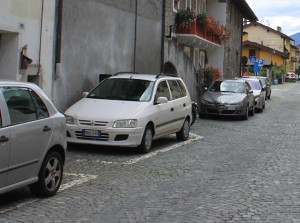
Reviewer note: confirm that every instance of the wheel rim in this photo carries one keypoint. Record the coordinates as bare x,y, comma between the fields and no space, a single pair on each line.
186,129
148,139
52,174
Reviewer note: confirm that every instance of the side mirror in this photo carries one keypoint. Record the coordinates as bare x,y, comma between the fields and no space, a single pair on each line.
161,100
84,94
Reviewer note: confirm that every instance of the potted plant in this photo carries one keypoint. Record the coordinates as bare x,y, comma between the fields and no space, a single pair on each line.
185,17
211,74
202,18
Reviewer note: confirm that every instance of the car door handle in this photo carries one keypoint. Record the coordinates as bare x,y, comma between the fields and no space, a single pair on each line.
46,128
172,109
184,104
3,139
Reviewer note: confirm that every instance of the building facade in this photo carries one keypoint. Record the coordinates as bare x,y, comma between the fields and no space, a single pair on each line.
271,45
27,38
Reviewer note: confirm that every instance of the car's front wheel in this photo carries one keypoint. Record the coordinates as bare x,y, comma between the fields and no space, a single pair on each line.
50,176
184,132
147,140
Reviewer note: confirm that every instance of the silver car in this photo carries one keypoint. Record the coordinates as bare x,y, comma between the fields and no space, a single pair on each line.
32,140
259,92
228,97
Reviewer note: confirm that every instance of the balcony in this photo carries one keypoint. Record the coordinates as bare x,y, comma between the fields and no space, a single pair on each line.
195,34
294,59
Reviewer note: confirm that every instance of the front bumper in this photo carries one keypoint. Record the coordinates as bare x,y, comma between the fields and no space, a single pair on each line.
127,137
222,109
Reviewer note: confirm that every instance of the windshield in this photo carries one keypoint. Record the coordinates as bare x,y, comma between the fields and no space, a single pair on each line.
254,84
123,89
228,86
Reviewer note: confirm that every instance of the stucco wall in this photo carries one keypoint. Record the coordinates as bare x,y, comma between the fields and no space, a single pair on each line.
98,37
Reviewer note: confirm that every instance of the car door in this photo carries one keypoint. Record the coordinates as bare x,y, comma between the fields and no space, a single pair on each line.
181,106
4,145
30,133
164,112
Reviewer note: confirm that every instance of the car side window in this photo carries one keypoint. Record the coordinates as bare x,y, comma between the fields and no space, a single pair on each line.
175,89
182,87
20,105
42,111
162,90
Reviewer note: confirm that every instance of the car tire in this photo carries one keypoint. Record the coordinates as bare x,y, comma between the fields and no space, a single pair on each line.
269,96
202,115
52,171
184,132
246,115
252,111
194,116
147,140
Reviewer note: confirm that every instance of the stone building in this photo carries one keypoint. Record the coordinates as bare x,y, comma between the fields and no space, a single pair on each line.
189,48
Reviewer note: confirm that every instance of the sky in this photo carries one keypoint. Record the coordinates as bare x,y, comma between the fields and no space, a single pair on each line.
273,13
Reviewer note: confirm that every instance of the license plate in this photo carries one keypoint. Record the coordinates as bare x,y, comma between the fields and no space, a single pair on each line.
86,132
230,107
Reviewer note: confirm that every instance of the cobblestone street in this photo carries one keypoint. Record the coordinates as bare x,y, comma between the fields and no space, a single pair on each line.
228,171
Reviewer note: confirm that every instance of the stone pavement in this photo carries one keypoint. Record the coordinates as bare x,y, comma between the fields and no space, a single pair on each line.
240,171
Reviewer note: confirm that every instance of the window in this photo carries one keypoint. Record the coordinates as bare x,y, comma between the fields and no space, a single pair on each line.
176,5
175,89
251,52
20,105
162,91
24,105
200,6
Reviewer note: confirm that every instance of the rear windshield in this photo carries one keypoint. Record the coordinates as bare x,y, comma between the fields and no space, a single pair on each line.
123,89
254,84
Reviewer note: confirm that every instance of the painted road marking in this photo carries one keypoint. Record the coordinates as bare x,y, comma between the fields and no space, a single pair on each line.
192,138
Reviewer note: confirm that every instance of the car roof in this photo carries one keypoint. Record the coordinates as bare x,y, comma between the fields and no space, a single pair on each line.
231,79
150,77
4,82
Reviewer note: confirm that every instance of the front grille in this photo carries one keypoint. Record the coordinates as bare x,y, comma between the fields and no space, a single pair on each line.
103,136
92,123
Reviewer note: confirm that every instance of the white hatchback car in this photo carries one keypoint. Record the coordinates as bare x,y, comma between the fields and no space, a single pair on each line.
32,139
131,110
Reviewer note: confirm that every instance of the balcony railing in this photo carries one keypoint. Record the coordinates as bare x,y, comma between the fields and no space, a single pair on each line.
197,30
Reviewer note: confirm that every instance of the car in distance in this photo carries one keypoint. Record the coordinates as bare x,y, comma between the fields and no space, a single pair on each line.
266,85
259,92
33,140
290,77
228,97
131,110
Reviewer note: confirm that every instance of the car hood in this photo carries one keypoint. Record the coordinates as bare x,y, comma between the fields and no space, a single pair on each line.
224,97
105,110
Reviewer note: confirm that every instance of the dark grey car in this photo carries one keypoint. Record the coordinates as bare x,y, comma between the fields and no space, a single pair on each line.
228,97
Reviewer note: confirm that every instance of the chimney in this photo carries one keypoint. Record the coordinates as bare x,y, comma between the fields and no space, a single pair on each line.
279,29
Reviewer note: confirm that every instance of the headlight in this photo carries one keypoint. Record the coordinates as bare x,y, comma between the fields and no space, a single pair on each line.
69,120
129,123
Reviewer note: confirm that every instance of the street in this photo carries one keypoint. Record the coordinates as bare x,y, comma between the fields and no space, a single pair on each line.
228,171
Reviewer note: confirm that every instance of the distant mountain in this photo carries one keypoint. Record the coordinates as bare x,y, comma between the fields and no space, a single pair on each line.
296,37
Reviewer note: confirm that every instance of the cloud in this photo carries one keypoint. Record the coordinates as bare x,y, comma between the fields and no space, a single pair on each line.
273,13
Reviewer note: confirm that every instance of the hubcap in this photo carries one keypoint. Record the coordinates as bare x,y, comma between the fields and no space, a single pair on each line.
52,174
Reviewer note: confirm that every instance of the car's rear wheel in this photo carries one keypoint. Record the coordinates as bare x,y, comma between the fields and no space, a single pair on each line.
147,140
50,176
184,132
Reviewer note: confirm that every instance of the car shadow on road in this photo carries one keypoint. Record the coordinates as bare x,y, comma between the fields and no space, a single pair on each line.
121,151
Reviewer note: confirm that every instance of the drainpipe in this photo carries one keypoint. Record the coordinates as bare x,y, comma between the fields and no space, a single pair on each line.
58,33
135,33
162,53
41,34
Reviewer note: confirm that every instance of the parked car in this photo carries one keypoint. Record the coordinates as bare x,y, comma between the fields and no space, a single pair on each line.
290,77
266,85
33,140
228,97
194,112
131,110
258,91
